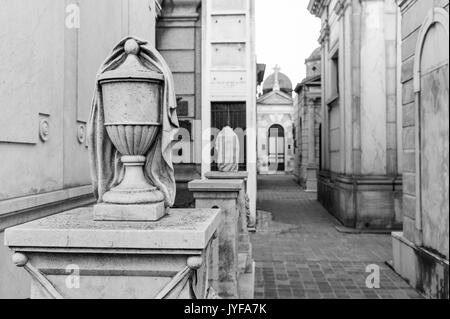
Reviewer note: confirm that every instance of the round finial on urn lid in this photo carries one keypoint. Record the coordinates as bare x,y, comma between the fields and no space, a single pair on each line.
131,47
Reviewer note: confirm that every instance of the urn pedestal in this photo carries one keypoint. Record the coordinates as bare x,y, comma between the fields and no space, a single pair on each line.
70,255
236,267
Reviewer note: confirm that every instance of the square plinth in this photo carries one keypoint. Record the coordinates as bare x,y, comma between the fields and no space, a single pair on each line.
116,212
179,229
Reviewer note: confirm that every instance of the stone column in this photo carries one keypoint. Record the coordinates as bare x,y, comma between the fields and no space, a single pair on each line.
311,169
245,259
223,194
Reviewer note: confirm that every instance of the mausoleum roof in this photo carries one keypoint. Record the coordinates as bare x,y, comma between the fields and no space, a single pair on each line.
315,55
283,80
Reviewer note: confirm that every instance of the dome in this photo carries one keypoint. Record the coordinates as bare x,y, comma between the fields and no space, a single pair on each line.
315,55
285,83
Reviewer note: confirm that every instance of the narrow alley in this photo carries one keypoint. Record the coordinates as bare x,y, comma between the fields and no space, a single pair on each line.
299,253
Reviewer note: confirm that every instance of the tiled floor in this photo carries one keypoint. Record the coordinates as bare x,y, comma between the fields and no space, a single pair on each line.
299,253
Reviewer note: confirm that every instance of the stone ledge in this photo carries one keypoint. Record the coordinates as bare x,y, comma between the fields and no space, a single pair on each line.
226,175
14,205
180,229
229,185
36,212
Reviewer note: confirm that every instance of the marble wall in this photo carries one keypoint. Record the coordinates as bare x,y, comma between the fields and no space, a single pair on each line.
360,122
421,251
48,68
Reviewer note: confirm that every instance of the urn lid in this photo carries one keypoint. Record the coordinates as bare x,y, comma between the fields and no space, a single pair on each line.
132,68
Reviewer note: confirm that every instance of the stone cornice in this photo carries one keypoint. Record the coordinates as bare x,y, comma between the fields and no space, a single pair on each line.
316,7
341,6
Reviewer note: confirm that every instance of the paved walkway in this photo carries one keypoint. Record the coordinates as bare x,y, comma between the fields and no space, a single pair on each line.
299,253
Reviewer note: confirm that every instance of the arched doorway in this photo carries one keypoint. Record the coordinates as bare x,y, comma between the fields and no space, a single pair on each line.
276,148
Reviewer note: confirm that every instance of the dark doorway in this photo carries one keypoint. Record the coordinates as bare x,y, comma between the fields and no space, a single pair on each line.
276,148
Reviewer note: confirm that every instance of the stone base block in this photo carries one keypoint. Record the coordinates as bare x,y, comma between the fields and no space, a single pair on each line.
362,202
142,212
425,271
311,186
68,255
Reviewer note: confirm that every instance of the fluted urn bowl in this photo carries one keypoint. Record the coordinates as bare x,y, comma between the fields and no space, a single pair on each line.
132,104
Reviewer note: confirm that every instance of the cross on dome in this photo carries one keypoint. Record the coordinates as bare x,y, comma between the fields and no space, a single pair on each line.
276,84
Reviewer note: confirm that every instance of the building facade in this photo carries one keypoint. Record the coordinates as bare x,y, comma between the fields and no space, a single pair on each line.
307,124
421,250
360,177
48,73
54,51
275,126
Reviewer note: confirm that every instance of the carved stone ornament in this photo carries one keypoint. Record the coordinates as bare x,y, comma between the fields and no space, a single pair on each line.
131,129
227,146
81,133
44,130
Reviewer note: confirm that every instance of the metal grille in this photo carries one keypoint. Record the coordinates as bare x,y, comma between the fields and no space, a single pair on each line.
232,114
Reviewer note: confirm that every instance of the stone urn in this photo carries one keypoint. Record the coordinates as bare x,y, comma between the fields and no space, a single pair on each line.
132,102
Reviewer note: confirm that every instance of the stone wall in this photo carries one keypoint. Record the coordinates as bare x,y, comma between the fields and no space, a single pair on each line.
421,252
307,117
413,16
50,64
360,123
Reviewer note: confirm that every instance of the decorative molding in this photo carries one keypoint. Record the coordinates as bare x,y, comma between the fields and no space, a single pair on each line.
21,260
324,32
81,133
44,130
316,7
436,15
341,6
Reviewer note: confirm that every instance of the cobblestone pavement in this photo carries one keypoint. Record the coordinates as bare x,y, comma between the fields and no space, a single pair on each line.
299,253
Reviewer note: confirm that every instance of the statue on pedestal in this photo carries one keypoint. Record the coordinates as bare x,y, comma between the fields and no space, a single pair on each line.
131,128
227,145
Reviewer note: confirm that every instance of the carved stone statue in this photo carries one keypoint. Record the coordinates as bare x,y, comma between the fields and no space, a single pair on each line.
227,145
130,134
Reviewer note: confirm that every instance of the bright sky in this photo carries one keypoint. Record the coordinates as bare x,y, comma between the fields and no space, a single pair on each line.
286,34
